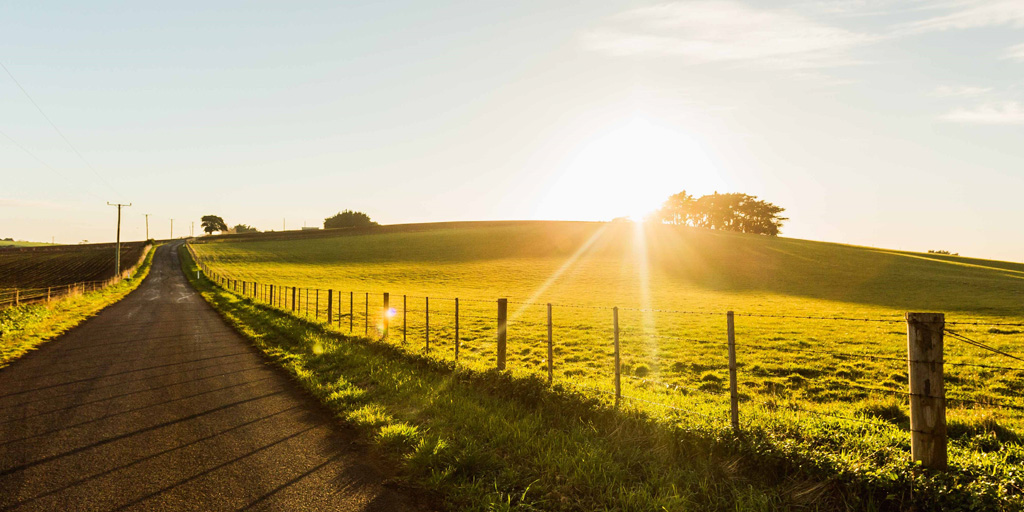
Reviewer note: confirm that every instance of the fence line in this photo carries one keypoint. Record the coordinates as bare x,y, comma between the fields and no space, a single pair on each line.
921,358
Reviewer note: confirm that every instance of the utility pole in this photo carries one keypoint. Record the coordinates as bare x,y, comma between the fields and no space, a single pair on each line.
283,228
192,229
117,258
172,229
147,225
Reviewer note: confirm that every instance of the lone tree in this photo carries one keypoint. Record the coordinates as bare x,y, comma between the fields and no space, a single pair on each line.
213,223
244,228
727,212
348,219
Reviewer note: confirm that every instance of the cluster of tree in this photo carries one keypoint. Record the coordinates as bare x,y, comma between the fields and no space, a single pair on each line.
244,228
947,253
348,219
728,212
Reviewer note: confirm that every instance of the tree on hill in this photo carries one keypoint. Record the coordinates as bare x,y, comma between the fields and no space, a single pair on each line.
244,228
728,212
213,223
348,219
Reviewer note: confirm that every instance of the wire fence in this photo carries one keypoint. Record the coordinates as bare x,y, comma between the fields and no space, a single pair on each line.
618,353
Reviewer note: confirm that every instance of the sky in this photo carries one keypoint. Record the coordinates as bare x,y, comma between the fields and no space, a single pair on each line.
896,124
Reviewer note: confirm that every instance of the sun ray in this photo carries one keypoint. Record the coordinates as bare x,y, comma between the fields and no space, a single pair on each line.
561,270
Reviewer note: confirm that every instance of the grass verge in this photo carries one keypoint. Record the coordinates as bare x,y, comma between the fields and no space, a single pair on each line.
25,327
483,440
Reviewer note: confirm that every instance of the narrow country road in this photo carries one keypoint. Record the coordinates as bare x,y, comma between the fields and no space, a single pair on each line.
156,404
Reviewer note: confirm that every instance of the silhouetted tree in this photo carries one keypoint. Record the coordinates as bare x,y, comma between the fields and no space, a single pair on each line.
213,223
244,228
727,212
348,219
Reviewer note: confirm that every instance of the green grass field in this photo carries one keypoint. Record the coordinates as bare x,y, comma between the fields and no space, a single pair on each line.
22,243
799,377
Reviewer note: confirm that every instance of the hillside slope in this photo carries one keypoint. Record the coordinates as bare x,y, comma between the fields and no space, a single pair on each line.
685,268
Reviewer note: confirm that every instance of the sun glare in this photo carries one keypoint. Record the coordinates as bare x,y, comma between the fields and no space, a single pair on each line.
629,171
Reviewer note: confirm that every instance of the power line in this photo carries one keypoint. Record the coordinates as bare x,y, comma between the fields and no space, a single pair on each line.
43,163
70,145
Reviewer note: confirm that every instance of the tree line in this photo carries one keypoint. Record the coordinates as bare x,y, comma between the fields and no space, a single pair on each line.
727,212
345,219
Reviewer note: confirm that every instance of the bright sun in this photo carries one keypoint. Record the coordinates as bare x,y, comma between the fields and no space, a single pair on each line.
628,172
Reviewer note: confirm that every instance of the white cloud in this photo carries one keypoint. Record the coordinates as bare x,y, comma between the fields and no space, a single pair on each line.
959,91
725,31
972,15
1010,112
1015,52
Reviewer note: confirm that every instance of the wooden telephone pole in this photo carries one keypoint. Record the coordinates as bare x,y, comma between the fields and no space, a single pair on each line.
147,225
117,257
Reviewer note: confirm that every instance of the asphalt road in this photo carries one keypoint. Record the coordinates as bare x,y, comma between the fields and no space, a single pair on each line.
156,404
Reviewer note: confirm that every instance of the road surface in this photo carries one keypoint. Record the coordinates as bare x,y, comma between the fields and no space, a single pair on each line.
156,404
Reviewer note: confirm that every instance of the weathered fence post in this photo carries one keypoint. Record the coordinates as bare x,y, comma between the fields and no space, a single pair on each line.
17,296
927,390
316,306
387,314
366,316
47,294
405,307
502,331
330,306
551,351
293,299
271,295
733,393
618,359
351,316
456,329
426,328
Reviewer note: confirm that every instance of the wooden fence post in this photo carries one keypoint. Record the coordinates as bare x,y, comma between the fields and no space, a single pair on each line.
316,306
426,329
733,393
366,316
351,317
456,329
293,300
386,316
405,307
551,351
927,390
271,295
17,296
618,359
330,306
502,331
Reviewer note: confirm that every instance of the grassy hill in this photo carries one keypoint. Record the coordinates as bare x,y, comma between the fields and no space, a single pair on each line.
685,267
820,335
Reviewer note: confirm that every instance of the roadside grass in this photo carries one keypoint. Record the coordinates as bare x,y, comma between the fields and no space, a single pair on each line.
24,327
487,440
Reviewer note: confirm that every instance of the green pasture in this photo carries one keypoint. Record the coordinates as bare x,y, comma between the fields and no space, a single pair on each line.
673,286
